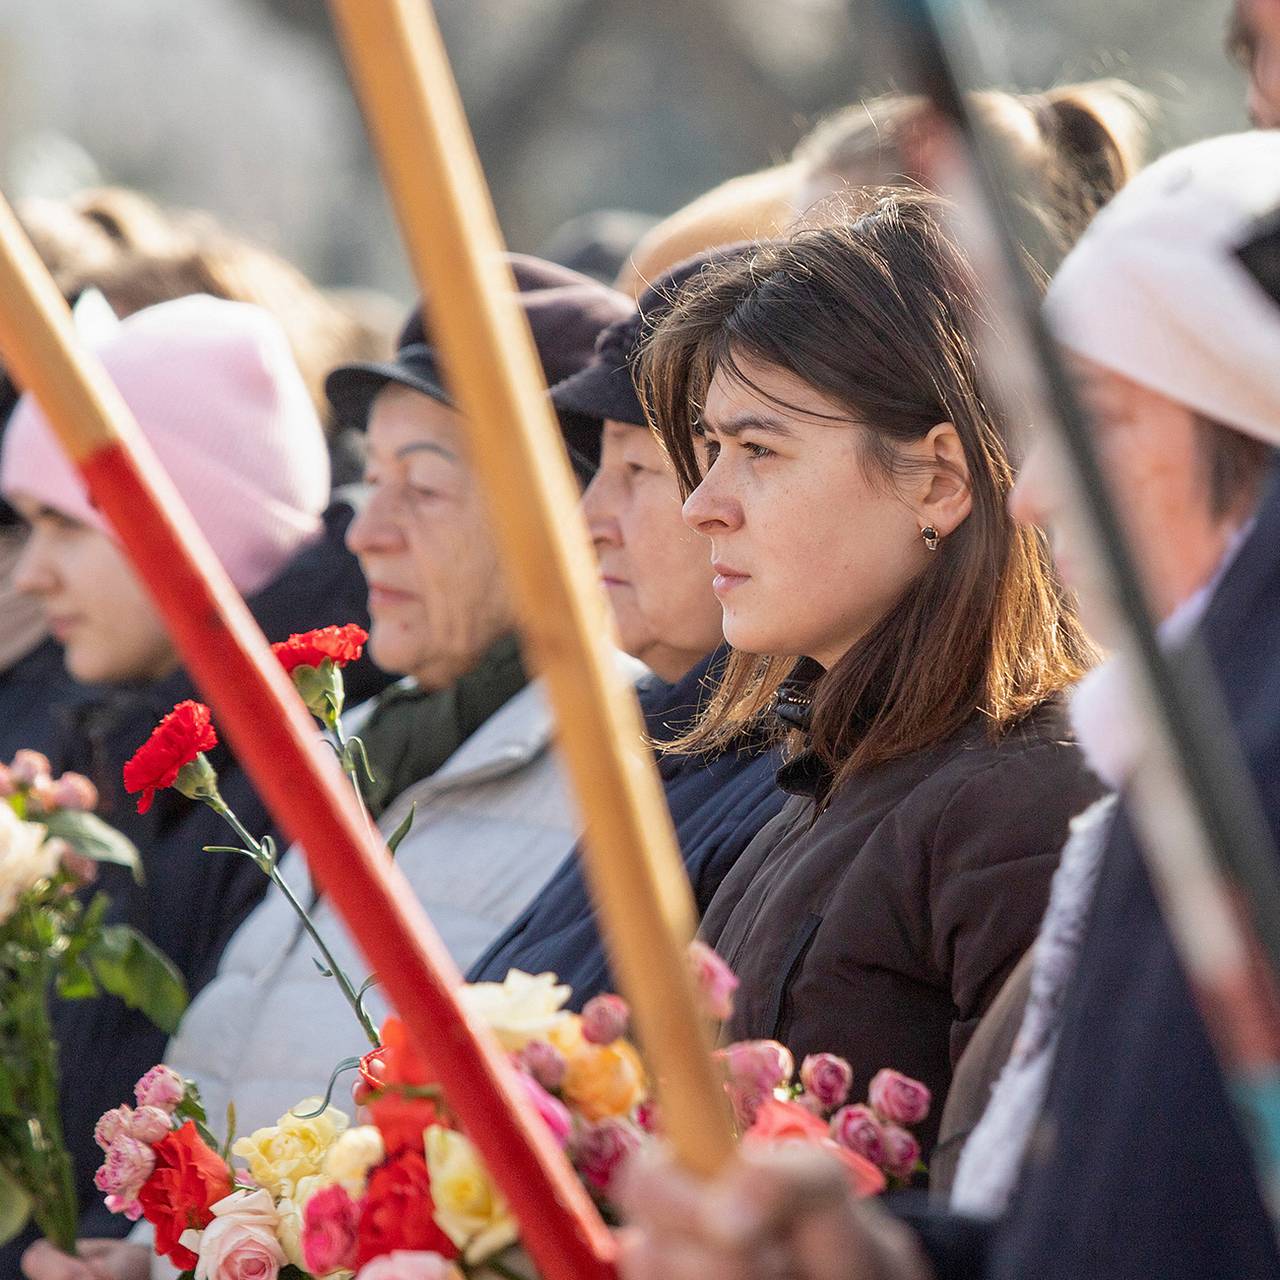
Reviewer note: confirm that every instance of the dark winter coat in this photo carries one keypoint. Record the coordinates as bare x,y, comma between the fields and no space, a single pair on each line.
1138,1167
880,924
37,697
192,901
717,804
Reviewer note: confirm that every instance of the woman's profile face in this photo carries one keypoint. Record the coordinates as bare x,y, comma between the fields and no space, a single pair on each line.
93,602
656,571
808,551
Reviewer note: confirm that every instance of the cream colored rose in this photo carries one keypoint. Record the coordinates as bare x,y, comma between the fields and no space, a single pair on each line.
521,1008
283,1154
352,1156
240,1241
291,1209
26,858
469,1209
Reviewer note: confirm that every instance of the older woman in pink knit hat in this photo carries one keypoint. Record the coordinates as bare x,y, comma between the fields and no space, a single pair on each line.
215,389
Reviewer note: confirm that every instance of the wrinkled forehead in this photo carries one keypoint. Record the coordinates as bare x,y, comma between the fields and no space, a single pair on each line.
404,423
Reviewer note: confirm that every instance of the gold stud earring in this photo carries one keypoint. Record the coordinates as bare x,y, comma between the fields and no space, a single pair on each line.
930,536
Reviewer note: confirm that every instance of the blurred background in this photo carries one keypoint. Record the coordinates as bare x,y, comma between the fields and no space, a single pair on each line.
240,106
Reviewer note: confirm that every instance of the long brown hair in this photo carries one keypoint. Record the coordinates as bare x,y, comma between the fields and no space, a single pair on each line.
879,315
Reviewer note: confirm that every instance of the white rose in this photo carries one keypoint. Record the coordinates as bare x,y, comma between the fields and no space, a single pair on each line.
26,858
241,1240
351,1157
521,1008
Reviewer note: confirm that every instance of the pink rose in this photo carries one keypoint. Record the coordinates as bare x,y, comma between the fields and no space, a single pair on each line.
149,1124
330,1231
111,1124
902,1152
897,1098
544,1062
715,981
405,1264
30,768
128,1164
746,1101
827,1079
240,1243
161,1087
601,1149
605,1019
859,1129
75,791
762,1065
553,1112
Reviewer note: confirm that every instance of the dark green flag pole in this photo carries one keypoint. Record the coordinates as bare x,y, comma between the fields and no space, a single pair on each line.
1208,850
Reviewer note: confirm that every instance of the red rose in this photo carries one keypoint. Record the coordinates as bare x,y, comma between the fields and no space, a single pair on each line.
397,1210
174,743
310,648
188,1179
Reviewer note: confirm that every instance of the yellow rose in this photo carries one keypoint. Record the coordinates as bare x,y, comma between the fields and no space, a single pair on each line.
352,1156
521,1008
469,1209
600,1080
281,1155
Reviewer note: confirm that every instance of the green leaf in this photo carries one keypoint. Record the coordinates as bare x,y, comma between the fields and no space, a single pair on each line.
88,835
75,981
129,966
15,1208
393,840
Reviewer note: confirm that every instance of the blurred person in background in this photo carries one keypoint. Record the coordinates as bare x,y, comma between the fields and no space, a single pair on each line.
1073,147
217,394
658,574
1130,1160
1253,43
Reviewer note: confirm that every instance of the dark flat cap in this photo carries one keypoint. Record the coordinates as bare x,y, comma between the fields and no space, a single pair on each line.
566,312
605,388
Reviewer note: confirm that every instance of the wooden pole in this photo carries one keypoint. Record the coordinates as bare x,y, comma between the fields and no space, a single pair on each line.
415,118
275,739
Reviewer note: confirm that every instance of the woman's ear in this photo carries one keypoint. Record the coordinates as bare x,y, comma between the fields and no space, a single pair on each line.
945,498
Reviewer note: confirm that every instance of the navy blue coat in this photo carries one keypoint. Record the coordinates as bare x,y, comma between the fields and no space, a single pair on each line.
1138,1168
717,804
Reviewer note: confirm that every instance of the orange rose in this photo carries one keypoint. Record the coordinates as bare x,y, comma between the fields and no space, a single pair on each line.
600,1080
789,1122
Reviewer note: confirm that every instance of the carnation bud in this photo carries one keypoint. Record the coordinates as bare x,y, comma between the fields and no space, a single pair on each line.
715,981
605,1019
75,791
197,780
827,1079
29,768
545,1063
897,1098
763,1065
902,1152
111,1124
149,1124
161,1087
600,1150
859,1129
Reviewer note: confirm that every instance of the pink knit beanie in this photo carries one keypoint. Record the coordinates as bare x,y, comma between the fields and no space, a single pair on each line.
216,392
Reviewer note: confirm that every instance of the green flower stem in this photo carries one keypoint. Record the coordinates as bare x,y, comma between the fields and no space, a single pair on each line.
255,851
352,770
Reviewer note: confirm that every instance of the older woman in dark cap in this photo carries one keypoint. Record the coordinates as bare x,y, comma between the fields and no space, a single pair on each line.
658,577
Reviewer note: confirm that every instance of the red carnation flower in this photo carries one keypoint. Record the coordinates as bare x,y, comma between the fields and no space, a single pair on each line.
174,743
397,1210
189,1178
310,648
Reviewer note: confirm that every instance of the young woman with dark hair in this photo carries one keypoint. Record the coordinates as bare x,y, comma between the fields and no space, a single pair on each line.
820,400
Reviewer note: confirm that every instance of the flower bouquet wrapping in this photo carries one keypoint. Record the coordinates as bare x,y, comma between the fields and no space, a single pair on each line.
55,944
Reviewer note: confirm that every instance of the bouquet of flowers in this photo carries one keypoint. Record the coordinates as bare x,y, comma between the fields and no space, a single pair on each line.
53,941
